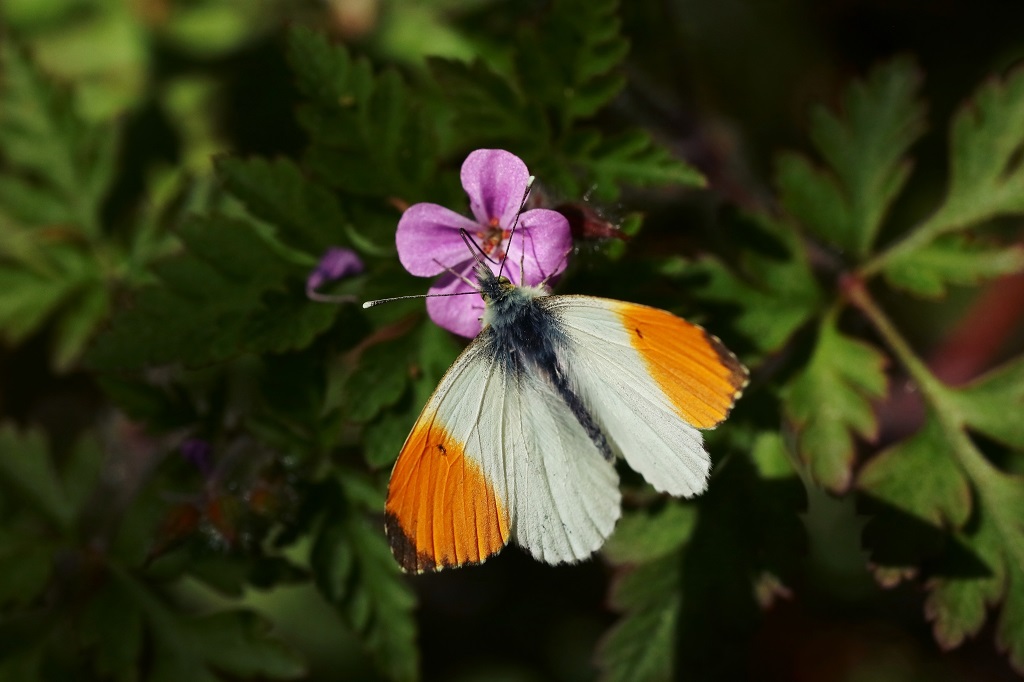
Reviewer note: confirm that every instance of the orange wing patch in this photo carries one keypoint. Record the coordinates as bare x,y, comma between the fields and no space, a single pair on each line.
694,369
442,511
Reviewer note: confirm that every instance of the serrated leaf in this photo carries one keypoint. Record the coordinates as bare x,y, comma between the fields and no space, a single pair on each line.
379,378
957,606
368,137
44,141
919,475
990,404
568,61
864,150
325,74
773,296
634,158
940,475
27,299
223,296
78,325
487,109
27,471
639,648
354,569
986,177
830,401
307,215
953,259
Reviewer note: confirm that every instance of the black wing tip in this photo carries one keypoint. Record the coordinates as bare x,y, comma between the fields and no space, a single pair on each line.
411,561
739,375
404,549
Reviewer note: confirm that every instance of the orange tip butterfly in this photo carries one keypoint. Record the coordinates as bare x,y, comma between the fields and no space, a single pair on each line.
520,438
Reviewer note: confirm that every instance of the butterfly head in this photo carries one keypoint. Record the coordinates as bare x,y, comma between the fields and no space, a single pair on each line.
492,287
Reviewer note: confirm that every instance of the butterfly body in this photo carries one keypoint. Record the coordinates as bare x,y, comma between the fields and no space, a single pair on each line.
519,440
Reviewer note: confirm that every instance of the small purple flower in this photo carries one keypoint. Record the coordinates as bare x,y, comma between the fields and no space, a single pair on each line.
336,263
196,452
428,238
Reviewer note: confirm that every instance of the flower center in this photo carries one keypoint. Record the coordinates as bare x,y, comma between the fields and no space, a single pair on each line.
491,239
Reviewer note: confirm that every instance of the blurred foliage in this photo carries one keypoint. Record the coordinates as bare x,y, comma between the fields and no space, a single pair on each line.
171,172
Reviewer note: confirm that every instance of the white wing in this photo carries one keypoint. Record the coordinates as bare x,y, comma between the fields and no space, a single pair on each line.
650,380
495,453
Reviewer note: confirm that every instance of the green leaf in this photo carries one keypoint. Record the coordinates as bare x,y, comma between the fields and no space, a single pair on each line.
773,296
692,598
27,471
957,605
989,404
379,378
239,643
307,215
27,299
57,156
631,158
487,109
355,571
80,322
919,475
570,61
986,177
26,564
368,136
230,292
953,259
644,536
864,147
327,75
830,401
640,646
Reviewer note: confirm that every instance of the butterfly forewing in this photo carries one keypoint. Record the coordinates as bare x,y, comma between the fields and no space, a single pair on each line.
651,380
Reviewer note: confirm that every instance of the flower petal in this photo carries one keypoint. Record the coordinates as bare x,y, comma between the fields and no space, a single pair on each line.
495,181
428,239
547,240
458,314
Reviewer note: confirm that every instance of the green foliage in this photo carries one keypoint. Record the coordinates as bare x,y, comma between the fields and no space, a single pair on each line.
51,515
182,281
687,575
952,259
355,571
830,400
941,476
864,150
563,72
55,171
780,294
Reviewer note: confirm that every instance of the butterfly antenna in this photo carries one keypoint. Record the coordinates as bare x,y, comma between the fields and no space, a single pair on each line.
379,301
515,223
474,248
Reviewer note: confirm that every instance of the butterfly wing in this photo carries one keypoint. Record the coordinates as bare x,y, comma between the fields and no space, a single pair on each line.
651,381
495,454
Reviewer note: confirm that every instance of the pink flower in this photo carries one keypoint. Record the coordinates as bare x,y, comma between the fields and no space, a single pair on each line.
428,238
336,263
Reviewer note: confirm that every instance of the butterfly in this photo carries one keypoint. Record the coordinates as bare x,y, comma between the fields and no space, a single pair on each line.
519,440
